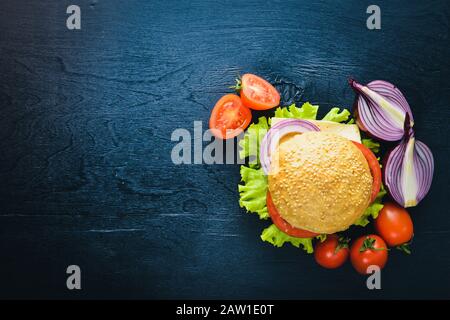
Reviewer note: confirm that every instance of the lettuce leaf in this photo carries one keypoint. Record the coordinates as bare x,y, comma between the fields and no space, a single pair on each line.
278,238
372,145
372,210
307,111
253,193
249,144
336,116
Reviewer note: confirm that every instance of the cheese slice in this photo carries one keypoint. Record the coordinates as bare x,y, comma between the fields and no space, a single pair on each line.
349,131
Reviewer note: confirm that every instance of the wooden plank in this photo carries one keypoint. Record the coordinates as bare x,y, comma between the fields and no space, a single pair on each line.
85,125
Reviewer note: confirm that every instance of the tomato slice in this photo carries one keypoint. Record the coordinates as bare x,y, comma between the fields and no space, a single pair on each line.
283,225
258,94
229,117
374,166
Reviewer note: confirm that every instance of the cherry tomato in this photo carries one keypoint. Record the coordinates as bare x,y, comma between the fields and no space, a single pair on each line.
368,250
258,94
375,169
283,225
229,117
332,253
394,224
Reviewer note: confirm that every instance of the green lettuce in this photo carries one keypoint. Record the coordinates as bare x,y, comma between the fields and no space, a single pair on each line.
322,237
372,145
278,238
253,192
307,111
372,210
249,144
336,116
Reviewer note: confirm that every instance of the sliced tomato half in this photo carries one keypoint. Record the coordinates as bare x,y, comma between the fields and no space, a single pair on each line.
374,167
229,117
283,225
258,94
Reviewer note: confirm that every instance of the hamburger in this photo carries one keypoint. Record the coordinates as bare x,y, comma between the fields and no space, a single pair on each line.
319,182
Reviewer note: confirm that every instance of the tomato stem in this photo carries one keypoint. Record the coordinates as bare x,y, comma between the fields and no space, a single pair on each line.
368,244
342,244
404,248
238,86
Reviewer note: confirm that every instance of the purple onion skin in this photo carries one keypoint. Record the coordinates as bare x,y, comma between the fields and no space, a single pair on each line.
356,114
353,84
385,159
383,175
359,124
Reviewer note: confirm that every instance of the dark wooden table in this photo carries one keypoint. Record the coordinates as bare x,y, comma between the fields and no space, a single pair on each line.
85,126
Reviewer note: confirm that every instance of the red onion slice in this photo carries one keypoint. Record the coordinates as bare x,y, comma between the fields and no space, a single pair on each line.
408,171
381,109
276,132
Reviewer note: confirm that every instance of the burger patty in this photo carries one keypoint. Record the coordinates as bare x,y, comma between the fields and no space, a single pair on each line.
319,181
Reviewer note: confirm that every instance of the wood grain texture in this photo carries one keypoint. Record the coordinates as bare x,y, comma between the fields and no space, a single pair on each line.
85,124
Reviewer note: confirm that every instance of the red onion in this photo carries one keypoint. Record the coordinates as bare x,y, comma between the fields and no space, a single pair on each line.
276,132
381,109
408,171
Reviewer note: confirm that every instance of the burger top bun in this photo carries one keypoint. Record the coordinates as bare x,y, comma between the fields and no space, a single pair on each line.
319,181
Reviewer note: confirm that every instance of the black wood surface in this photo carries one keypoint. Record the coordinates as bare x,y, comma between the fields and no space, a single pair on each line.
85,125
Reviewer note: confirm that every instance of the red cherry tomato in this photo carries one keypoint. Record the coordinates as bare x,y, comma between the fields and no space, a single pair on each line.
283,225
258,94
331,253
368,250
394,224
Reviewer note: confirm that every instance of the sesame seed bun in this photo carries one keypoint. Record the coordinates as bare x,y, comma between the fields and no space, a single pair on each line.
319,181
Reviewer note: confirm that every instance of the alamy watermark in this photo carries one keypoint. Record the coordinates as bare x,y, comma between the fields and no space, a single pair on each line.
73,281
190,149
373,22
374,280
73,22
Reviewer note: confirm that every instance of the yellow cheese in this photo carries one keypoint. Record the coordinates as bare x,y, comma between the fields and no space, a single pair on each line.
349,131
